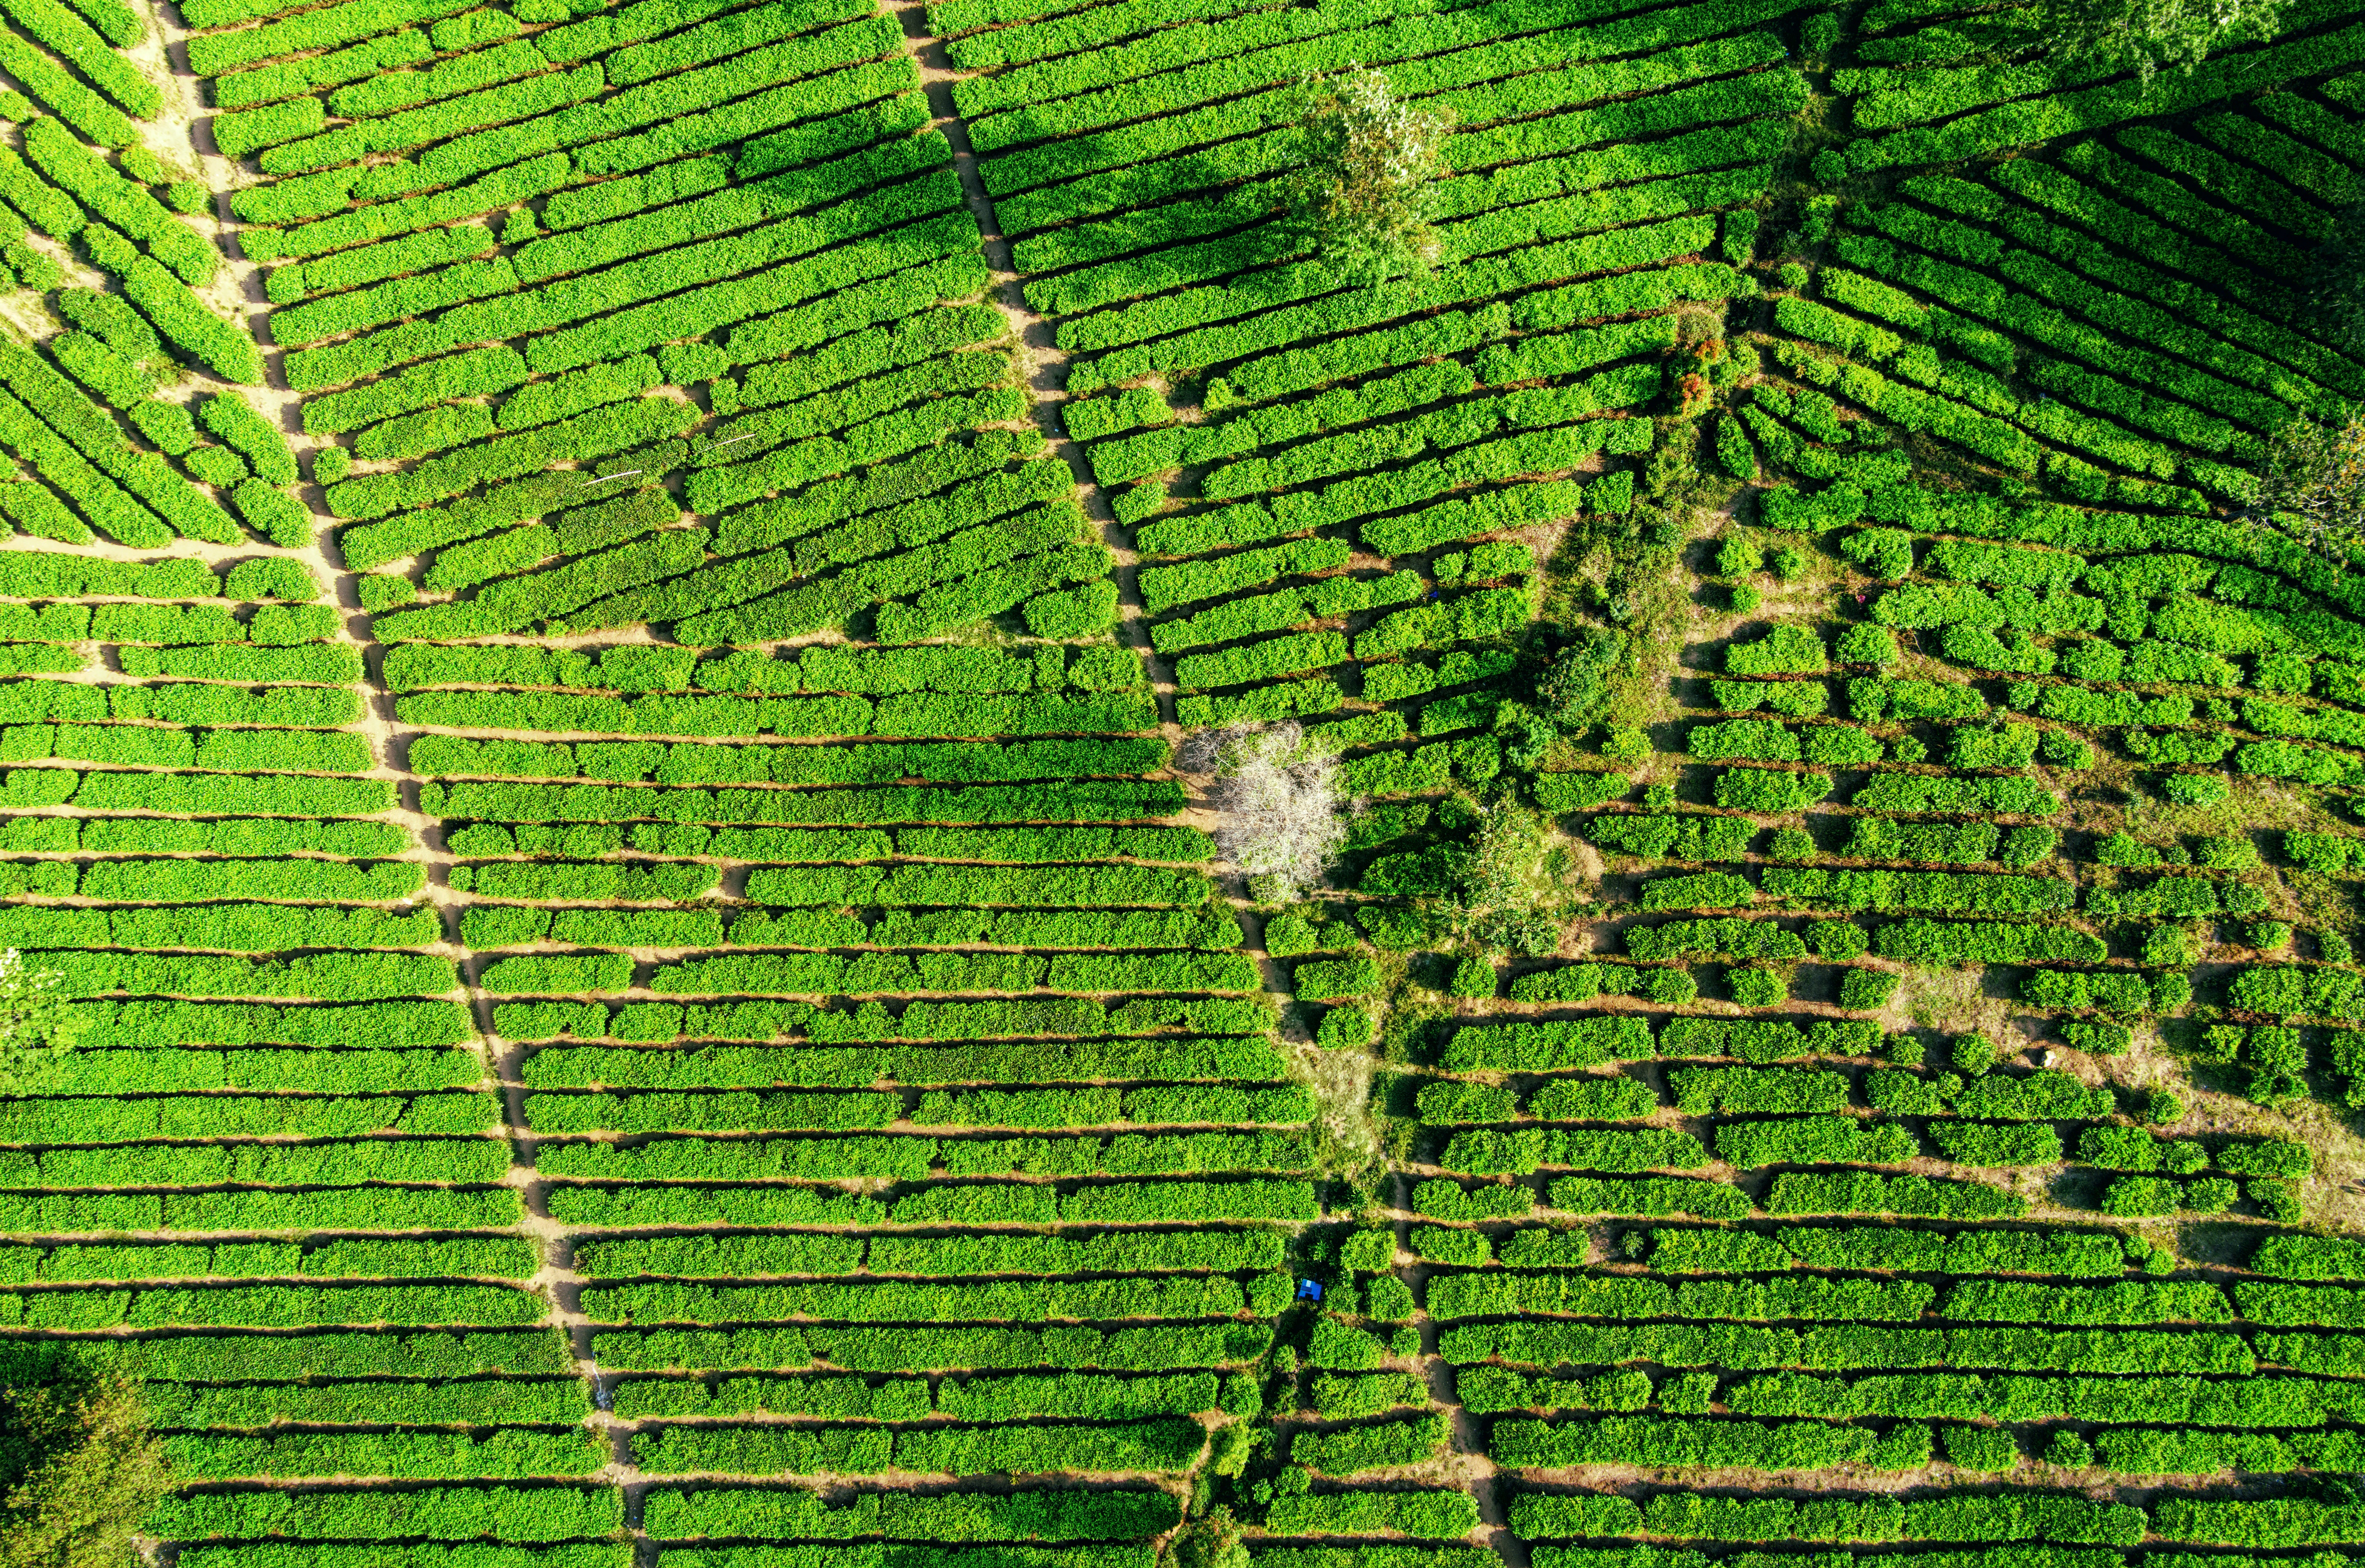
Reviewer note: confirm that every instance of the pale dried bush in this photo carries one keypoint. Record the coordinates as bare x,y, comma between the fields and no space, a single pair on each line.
1282,818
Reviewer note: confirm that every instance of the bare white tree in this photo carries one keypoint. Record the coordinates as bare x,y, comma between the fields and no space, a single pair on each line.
1282,824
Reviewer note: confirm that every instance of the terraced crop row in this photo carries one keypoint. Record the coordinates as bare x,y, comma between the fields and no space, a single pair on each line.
604,791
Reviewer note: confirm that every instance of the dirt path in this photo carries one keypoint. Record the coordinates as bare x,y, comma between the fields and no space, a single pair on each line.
183,136
1046,368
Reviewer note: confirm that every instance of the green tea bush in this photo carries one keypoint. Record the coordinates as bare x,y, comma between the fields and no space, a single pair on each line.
1813,1140
1351,1451
1769,790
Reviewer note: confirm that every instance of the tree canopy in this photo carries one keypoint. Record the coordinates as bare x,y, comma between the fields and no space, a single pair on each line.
2312,481
79,1471
2149,36
1365,186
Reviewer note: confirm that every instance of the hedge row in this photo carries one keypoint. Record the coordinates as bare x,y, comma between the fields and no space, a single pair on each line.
1681,1443
1034,1515
1515,1294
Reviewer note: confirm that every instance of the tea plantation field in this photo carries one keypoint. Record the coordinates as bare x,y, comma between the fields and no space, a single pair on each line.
652,982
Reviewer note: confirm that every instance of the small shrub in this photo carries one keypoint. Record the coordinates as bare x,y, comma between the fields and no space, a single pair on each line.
1862,991
1345,1029
1738,557
1672,988
2279,1201
2101,1039
382,590
1991,1450
2142,1197
2070,1451
2192,789
2061,749
1866,644
1625,743
1837,941
2210,1194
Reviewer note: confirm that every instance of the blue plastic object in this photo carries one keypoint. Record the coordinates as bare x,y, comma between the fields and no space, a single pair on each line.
1309,1290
